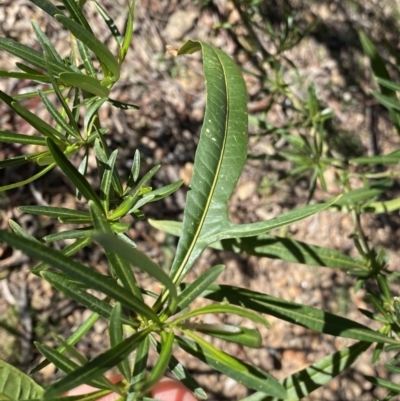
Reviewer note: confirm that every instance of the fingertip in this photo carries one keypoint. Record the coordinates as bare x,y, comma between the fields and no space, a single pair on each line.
171,390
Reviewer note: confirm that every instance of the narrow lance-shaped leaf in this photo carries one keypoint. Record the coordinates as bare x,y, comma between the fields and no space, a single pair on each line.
58,117
31,56
159,368
73,339
97,366
117,336
82,273
140,260
193,290
46,44
181,373
110,23
238,370
76,13
236,334
22,75
128,33
302,383
57,212
226,308
86,59
47,6
67,365
28,180
118,265
95,45
31,118
13,137
85,82
302,315
105,186
379,70
73,174
139,369
79,295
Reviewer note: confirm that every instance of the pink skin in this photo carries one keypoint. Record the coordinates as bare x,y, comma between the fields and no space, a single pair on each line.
166,390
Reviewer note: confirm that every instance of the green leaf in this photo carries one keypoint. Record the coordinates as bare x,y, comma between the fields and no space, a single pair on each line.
159,368
225,308
236,334
391,158
68,366
302,315
270,246
75,292
163,192
220,155
69,234
140,260
16,385
302,383
47,6
135,170
90,114
13,137
39,77
234,368
84,82
117,336
58,117
194,289
181,373
73,174
105,186
20,231
76,13
32,119
73,339
379,70
86,59
46,44
78,271
131,199
139,369
98,365
128,33
118,265
387,83
387,101
388,385
123,105
219,160
98,48
57,212
289,250
110,22
31,56
28,180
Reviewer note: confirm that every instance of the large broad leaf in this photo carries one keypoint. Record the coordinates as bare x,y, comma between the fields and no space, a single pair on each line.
302,383
220,158
16,385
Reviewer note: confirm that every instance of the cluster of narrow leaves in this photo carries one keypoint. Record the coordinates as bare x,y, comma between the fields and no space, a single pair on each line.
135,325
